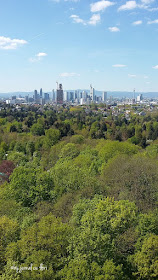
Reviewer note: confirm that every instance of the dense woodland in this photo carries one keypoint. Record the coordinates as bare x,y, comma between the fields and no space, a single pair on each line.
78,194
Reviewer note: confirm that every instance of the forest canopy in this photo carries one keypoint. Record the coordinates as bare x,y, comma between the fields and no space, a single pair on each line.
78,194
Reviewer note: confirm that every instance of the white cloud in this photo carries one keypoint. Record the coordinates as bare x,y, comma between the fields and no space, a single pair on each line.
153,21
77,19
94,19
100,6
7,43
37,57
114,29
138,22
155,67
119,65
132,76
146,77
147,1
41,55
130,5
153,9
67,75
73,16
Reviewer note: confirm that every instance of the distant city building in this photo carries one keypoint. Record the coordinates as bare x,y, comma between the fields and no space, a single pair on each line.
92,93
84,95
42,101
35,95
10,101
27,98
140,97
99,99
59,95
41,93
46,96
31,99
76,94
71,95
82,101
65,96
104,97
53,95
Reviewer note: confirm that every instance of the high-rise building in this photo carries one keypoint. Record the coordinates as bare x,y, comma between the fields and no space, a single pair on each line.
59,95
76,95
71,95
13,97
46,96
41,93
35,95
140,97
53,95
104,98
84,95
92,93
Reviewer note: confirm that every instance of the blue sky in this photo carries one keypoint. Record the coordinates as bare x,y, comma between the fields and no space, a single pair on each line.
112,45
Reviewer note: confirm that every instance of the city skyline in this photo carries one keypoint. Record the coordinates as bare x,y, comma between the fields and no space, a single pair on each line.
110,44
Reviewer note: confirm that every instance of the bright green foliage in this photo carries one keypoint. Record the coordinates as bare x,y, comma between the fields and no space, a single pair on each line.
18,158
69,177
37,129
29,186
8,233
138,133
109,149
30,148
147,223
152,151
77,269
69,151
39,143
10,273
20,147
146,260
52,136
80,269
45,242
110,271
77,139
89,160
98,225
74,196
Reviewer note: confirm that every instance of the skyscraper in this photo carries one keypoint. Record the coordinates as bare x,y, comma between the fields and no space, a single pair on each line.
92,93
46,96
59,95
53,95
41,93
104,98
35,95
71,95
